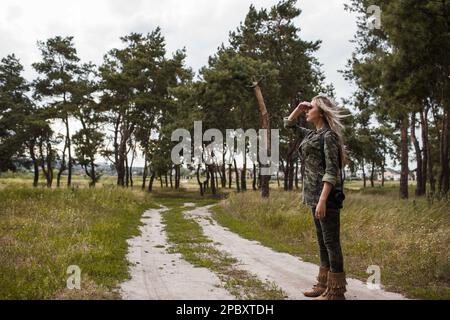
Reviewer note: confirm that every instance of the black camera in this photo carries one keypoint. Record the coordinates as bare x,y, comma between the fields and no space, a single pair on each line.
335,199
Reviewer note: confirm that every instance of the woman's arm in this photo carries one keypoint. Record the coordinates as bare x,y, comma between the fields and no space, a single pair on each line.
291,123
302,107
331,151
296,113
321,206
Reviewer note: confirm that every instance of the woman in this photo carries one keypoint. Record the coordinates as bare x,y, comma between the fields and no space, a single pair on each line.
322,151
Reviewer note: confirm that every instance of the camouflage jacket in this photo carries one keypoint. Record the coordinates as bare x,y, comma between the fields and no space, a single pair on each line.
315,173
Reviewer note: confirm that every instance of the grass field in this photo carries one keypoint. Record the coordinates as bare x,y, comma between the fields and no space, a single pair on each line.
43,231
409,240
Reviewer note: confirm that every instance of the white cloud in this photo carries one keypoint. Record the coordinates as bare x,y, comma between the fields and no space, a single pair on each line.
199,25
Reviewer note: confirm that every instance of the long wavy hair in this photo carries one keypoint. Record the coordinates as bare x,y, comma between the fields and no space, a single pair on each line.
332,115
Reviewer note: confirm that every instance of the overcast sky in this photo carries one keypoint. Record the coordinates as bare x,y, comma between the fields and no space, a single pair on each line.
199,25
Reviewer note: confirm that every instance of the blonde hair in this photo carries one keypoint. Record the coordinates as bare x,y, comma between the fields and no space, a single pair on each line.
333,116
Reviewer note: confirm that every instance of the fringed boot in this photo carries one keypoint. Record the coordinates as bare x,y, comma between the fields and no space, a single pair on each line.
321,284
335,287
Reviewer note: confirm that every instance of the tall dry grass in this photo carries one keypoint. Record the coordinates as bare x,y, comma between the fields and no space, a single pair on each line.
408,239
43,231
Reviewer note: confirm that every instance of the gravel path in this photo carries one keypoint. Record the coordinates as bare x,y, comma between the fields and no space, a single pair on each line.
157,274
290,273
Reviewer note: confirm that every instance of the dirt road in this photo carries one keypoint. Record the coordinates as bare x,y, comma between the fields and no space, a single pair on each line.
157,274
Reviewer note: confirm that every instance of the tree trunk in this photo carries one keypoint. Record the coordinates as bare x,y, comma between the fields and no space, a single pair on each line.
265,125
244,175
93,174
131,176
258,184
364,173
198,180
296,174
35,165
444,176
425,149
216,174
284,170
213,179
69,153
219,175
404,158
131,165
372,171
177,176
62,165
116,147
49,165
46,162
223,177
254,177
236,172
150,183
286,175
430,172
206,182
419,175
145,172
122,154
291,174
230,176
127,172
278,179
61,169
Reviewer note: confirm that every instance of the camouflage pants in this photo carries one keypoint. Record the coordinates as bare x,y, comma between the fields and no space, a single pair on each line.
328,230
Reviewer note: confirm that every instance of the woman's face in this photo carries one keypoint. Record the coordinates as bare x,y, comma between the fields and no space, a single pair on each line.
313,114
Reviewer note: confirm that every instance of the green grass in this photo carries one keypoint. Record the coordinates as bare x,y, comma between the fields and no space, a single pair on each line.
42,232
187,238
409,240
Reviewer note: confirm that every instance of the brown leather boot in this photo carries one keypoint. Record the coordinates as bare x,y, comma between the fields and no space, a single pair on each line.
335,287
321,284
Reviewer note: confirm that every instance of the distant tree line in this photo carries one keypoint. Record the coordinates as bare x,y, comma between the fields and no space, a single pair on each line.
130,104
402,74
